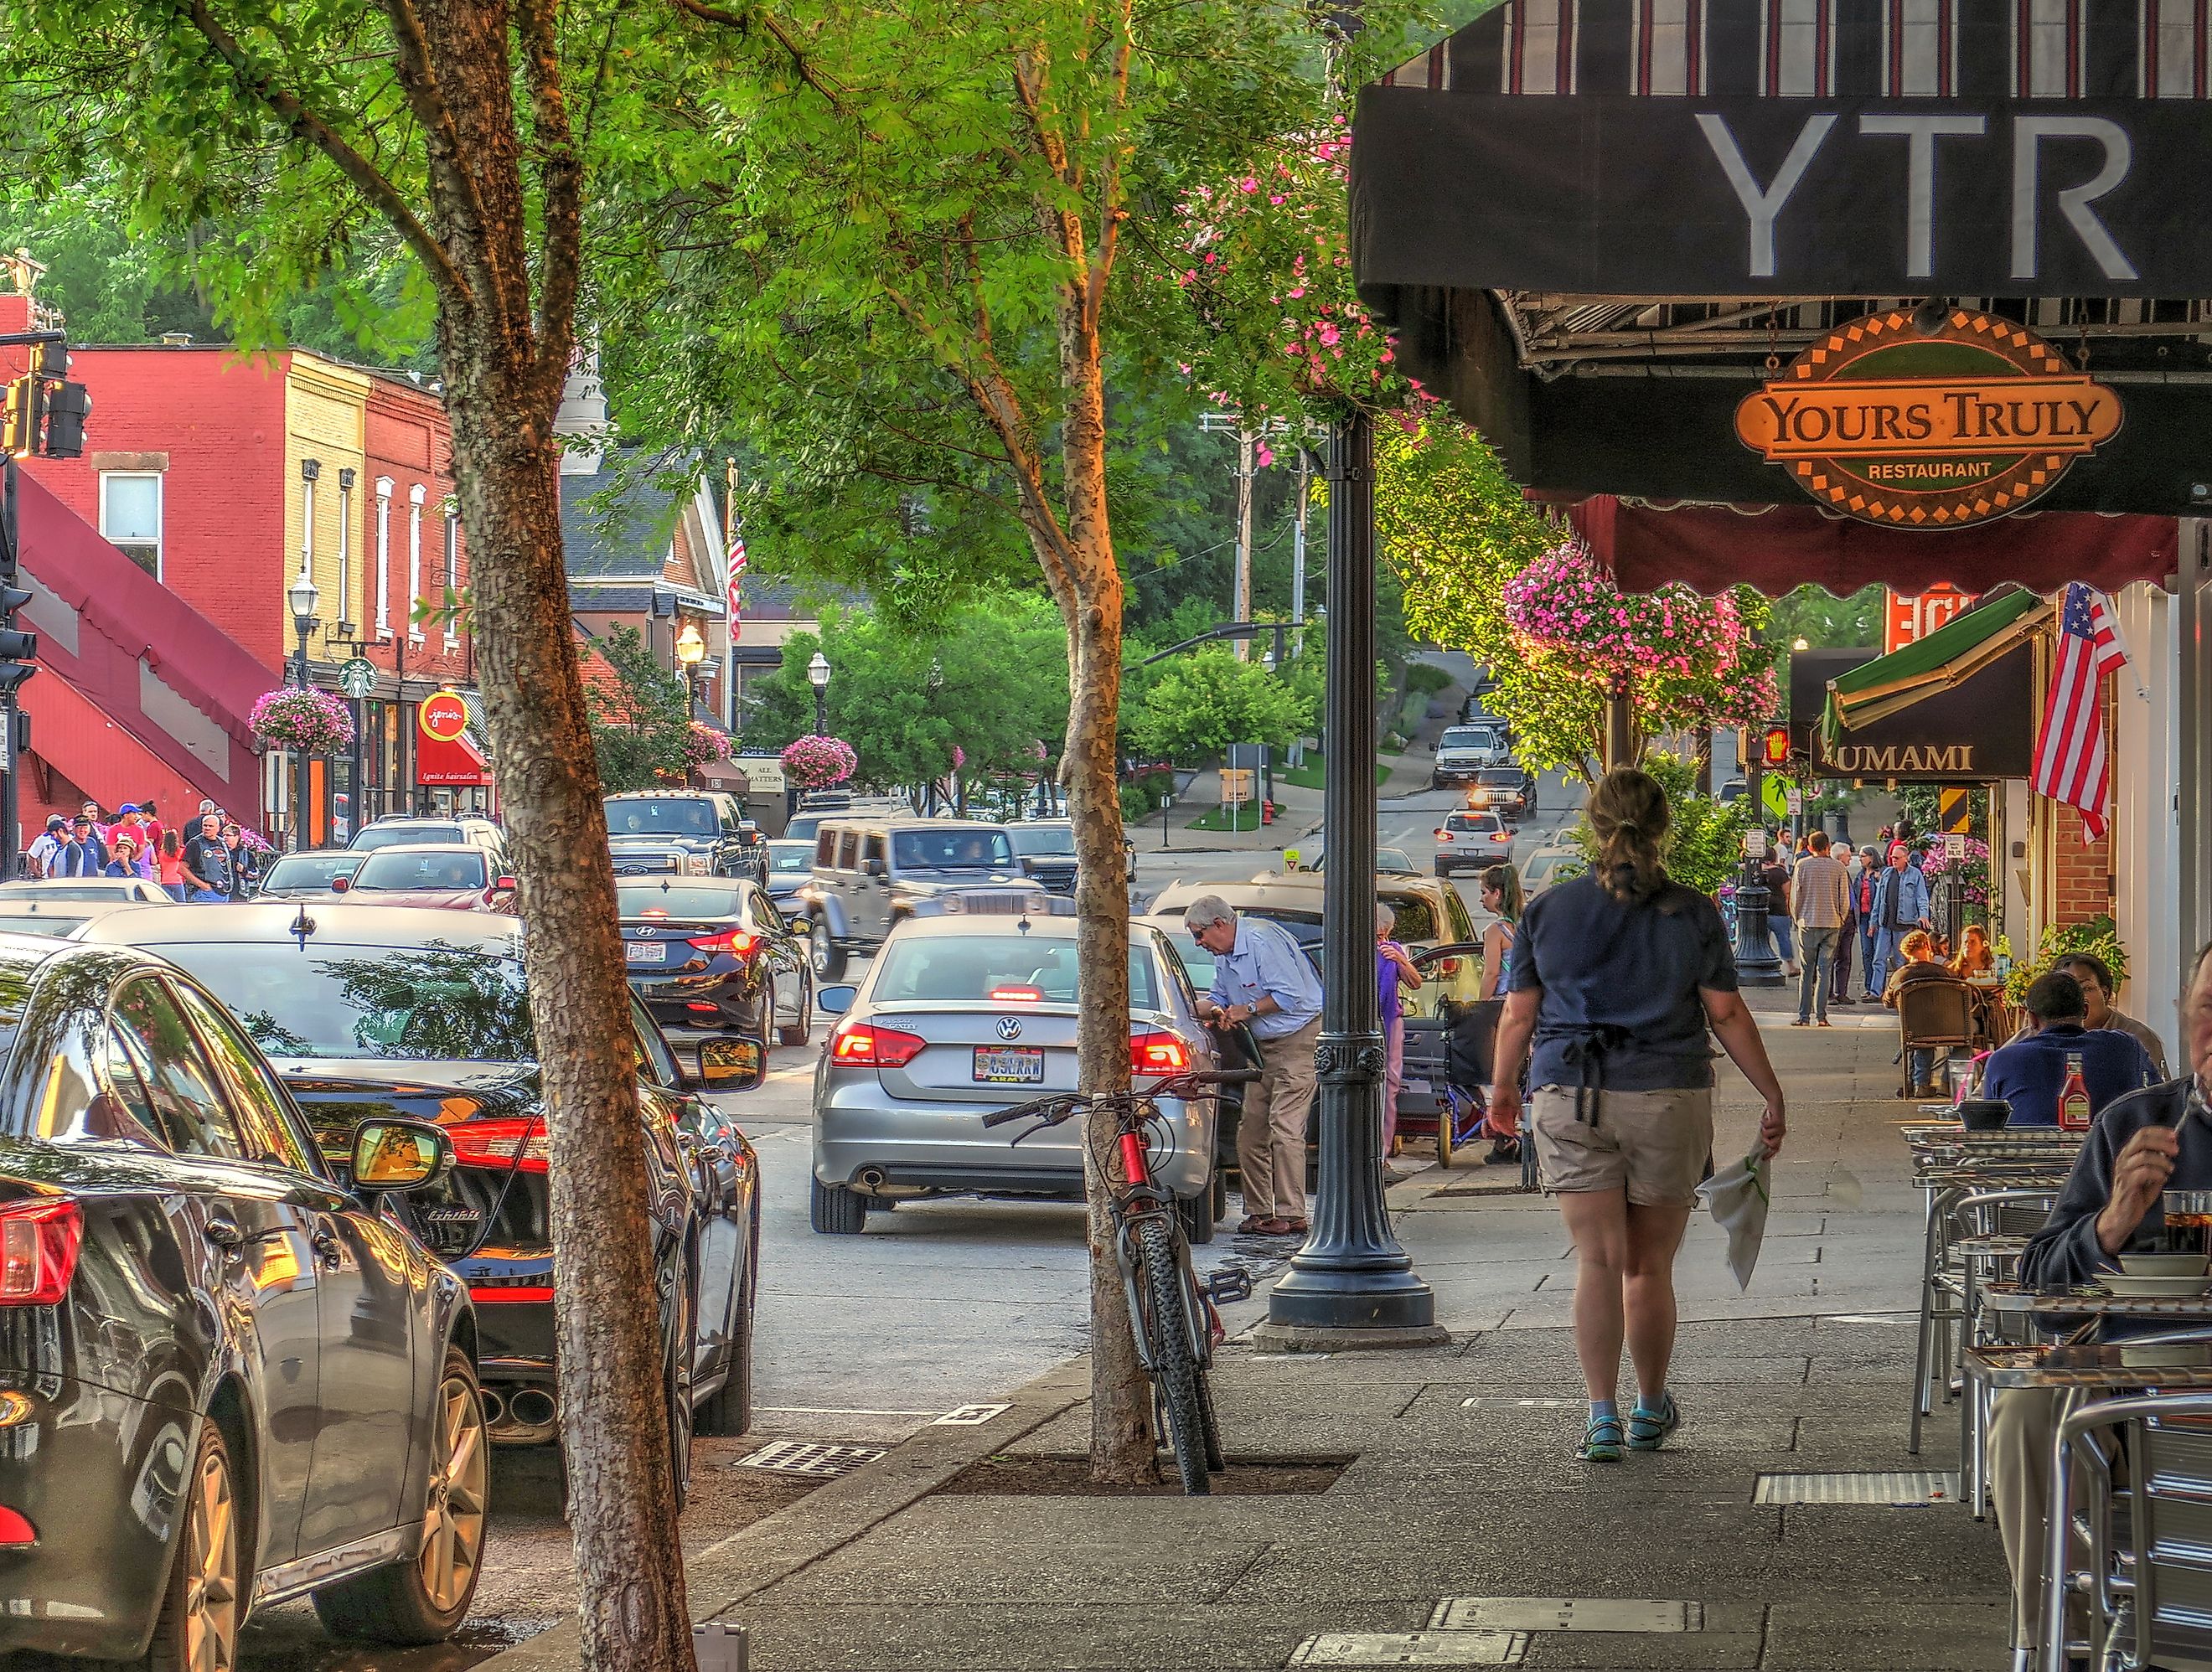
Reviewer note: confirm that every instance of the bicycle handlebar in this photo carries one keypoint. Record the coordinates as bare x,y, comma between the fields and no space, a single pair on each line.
1057,1106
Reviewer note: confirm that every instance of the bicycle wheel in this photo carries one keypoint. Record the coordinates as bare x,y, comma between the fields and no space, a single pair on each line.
1215,1463
1167,1321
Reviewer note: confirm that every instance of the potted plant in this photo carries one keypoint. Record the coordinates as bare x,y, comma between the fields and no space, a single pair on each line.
306,721
816,763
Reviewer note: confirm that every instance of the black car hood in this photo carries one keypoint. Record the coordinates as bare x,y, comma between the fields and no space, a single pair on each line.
335,1093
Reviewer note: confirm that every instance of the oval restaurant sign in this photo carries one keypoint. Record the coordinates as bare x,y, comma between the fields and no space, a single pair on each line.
1891,424
443,717
443,752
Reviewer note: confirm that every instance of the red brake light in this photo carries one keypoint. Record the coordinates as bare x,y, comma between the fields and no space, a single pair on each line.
736,941
1017,993
513,1294
1443,835
39,1243
1154,1054
860,1045
500,1143
14,1529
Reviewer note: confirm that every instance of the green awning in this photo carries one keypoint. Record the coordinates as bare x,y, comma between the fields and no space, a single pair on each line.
1950,655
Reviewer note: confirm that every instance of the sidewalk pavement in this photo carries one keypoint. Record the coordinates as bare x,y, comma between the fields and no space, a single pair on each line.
1459,1478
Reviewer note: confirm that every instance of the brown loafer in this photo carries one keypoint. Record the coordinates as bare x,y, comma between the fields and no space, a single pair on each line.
1290,1227
1252,1224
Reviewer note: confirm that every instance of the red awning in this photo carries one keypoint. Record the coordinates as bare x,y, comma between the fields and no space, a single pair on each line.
1647,544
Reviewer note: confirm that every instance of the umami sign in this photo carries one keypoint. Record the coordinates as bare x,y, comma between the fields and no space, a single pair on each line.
1890,422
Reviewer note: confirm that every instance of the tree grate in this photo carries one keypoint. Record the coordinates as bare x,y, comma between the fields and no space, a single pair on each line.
1900,1487
813,1457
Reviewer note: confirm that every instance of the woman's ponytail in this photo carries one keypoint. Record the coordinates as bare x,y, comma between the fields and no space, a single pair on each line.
1629,817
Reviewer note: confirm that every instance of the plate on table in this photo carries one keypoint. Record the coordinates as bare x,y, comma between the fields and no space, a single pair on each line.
2152,1288
2165,1265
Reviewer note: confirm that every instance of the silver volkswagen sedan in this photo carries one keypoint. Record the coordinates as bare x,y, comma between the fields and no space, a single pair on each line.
957,1016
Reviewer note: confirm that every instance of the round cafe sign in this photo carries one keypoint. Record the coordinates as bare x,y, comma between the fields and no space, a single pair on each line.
443,715
1893,423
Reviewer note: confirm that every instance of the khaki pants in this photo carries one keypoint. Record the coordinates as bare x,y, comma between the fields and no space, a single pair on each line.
1271,1138
2023,1428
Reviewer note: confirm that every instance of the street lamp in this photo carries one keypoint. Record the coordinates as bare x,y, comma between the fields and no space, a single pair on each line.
690,652
303,595
817,676
1801,643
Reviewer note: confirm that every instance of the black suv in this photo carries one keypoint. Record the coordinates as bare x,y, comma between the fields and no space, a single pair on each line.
683,832
869,873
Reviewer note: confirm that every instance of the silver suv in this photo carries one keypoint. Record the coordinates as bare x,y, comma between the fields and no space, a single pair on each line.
872,873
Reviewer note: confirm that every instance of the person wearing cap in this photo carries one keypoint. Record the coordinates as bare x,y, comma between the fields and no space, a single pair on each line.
125,851
40,858
83,854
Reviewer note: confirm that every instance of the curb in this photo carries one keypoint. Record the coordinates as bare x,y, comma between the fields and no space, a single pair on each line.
734,1570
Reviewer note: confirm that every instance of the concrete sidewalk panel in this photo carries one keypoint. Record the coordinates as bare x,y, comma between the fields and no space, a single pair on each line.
1936,1635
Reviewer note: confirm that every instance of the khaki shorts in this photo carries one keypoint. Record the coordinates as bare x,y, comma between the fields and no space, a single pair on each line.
1654,1145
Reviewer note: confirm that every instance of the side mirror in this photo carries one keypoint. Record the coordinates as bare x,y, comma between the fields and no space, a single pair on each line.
723,1065
835,1001
871,868
399,1154
506,885
340,884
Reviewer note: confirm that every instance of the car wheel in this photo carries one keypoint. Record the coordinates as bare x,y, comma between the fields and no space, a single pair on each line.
803,1030
424,1600
204,1601
729,1409
1198,1217
829,962
676,1378
835,1211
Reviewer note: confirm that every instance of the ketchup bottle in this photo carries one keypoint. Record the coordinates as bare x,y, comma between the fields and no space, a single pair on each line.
2074,1097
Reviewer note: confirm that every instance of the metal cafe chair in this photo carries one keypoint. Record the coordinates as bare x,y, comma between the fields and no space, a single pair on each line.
1991,1230
1933,1016
2146,1586
2001,1227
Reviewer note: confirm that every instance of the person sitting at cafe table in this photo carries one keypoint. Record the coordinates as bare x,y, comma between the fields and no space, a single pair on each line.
1918,949
1973,957
2099,990
2150,1141
2030,1073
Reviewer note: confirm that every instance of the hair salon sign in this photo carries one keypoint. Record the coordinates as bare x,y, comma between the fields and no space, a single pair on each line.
1893,419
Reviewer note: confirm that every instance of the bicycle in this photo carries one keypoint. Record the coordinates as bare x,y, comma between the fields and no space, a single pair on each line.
1172,1315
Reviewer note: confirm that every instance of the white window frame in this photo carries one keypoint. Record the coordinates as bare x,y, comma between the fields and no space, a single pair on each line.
416,496
345,550
161,512
453,571
383,486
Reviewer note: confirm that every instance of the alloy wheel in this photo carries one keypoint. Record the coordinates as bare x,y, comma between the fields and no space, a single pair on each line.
211,1603
453,1517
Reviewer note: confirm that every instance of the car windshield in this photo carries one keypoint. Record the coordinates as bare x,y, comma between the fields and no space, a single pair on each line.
980,849
653,816
56,922
1482,824
392,835
400,868
431,1002
678,900
790,857
984,969
1043,839
1465,738
309,870
1506,776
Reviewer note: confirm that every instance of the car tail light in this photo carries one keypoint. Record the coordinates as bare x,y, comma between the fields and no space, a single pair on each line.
1443,835
737,943
500,1143
511,1294
860,1045
1154,1054
1500,836
1017,993
15,1528
39,1243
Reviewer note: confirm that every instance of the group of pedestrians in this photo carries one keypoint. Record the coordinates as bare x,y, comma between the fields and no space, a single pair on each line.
1824,902
217,860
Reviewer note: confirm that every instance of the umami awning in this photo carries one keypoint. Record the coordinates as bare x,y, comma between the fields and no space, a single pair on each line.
1945,659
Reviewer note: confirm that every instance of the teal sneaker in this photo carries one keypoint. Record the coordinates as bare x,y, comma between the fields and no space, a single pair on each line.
1602,1440
1648,1427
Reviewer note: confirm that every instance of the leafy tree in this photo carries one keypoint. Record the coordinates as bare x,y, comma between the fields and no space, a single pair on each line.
277,140
1826,621
1206,701
1705,839
641,726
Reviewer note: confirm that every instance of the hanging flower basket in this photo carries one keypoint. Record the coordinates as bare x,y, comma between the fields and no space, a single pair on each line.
309,722
816,763
704,744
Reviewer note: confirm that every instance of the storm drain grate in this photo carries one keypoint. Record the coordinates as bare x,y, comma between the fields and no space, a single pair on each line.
1916,1486
1412,1649
811,1457
1567,1613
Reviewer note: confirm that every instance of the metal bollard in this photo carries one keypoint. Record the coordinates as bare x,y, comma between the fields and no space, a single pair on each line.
719,1648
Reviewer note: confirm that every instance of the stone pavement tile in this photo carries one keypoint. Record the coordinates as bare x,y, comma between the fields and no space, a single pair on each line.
1692,1651
1841,1634
1195,1568
1931,1543
925,1637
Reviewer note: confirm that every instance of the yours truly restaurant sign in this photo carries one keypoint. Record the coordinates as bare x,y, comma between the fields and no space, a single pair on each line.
1928,424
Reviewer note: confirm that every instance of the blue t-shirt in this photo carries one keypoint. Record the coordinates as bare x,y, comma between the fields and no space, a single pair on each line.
1603,964
2030,1073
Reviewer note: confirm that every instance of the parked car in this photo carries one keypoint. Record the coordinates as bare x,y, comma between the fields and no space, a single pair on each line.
1508,791
412,830
1471,842
376,1012
308,875
1394,861
683,832
1045,848
714,959
960,1015
790,863
229,1381
1464,751
1548,865
449,878
872,874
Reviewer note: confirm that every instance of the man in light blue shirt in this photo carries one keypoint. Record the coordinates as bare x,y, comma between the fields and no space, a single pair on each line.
1900,905
1261,979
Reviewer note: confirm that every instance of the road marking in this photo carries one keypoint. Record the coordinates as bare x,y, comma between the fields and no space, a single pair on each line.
838,1410
1566,1613
968,1416
1523,1404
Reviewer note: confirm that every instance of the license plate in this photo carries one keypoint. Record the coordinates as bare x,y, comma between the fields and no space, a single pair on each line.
1023,1065
647,952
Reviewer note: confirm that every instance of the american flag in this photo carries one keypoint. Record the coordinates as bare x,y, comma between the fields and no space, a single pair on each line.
2069,751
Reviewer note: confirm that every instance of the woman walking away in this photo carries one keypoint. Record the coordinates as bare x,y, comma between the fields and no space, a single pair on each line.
1616,978
1394,973
1501,897
169,866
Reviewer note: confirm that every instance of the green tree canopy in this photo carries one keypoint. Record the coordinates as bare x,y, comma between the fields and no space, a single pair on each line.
640,722
1207,701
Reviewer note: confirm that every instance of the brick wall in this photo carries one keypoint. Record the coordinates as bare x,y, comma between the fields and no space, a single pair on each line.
2083,871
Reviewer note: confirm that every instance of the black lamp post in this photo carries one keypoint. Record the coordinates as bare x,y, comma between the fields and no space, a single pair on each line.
303,595
1352,1285
817,676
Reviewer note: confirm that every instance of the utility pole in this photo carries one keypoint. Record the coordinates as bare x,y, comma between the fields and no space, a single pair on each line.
1240,603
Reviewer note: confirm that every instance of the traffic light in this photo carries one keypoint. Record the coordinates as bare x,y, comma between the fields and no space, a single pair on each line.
18,423
1774,747
58,407
18,650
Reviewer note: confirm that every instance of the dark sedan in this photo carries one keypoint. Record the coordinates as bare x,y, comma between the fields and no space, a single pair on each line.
224,1381
376,1011
714,960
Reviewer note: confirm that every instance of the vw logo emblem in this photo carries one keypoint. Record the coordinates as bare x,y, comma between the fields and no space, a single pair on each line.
1009,1027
